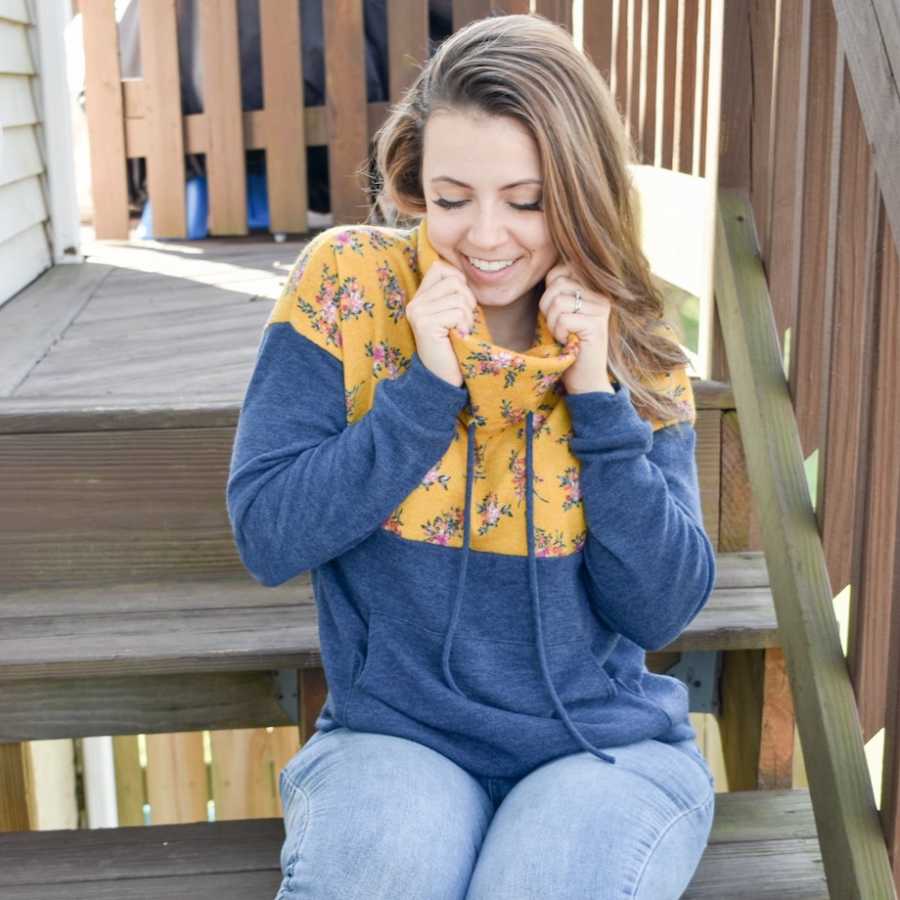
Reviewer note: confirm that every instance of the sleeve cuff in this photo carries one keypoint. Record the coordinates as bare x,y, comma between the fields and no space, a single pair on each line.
426,397
607,422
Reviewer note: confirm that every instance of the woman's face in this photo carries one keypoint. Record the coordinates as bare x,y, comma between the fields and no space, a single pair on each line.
488,168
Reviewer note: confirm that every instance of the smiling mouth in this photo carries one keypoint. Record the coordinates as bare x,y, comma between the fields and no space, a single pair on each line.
493,266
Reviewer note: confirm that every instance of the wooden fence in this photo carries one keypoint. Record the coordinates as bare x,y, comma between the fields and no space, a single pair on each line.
655,56
809,131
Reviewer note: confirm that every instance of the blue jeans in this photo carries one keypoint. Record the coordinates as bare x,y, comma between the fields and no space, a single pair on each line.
378,817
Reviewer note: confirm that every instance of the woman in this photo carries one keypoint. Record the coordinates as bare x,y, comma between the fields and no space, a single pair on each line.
478,434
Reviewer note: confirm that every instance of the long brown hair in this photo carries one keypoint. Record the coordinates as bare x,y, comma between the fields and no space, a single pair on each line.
527,68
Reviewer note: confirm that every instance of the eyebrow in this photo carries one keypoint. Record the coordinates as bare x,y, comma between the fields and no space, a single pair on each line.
462,184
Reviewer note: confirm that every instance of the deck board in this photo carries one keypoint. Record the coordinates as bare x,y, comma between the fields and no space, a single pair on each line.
230,860
165,319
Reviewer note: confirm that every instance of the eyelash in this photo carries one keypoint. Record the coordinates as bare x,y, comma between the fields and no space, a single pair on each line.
450,204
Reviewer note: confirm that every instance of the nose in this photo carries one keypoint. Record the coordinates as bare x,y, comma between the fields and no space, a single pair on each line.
488,229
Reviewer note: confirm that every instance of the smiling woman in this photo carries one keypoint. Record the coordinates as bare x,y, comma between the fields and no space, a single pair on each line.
478,431
491,228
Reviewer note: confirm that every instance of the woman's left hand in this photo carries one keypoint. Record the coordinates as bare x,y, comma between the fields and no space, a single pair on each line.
590,323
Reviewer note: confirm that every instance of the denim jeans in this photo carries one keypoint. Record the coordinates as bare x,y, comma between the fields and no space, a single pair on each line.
377,817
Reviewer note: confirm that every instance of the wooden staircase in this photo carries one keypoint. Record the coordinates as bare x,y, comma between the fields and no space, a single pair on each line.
125,609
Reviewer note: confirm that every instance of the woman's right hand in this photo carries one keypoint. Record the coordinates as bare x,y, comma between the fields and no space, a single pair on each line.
443,301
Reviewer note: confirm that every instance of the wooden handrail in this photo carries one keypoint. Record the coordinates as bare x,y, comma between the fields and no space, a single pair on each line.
853,845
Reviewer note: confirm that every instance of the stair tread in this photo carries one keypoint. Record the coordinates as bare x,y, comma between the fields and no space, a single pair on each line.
234,623
763,844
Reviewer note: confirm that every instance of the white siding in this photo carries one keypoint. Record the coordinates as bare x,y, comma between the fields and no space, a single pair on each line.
24,248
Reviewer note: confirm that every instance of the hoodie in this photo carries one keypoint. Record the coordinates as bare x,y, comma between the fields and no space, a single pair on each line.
490,562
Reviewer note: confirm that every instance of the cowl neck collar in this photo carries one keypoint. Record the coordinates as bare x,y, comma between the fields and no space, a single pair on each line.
504,385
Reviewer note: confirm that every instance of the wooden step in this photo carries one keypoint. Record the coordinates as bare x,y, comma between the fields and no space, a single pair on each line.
96,490
206,654
763,845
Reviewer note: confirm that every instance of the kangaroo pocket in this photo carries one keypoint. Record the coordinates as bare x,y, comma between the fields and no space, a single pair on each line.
403,669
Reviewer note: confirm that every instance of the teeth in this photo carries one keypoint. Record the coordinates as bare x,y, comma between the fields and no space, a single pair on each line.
489,266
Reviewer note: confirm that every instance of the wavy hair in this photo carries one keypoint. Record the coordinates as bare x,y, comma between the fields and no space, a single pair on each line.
528,68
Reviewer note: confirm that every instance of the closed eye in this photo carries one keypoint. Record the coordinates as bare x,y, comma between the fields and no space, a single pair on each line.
455,204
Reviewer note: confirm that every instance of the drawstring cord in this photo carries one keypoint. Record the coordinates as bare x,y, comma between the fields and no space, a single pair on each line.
532,580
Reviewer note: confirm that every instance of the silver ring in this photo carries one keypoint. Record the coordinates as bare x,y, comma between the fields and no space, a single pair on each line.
578,301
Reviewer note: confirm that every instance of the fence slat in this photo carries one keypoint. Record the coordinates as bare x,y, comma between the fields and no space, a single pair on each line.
785,150
242,785
225,169
597,38
465,11
870,36
762,28
839,455
889,332
810,236
285,121
129,780
688,83
706,87
345,92
870,609
408,43
162,102
649,69
559,11
106,122
176,778
668,35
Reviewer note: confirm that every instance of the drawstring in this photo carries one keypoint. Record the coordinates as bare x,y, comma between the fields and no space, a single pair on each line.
457,604
532,579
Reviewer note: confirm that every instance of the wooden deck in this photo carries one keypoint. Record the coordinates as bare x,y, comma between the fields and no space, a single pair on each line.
144,321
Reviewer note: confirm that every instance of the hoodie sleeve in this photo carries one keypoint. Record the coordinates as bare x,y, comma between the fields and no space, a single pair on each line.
649,563
304,486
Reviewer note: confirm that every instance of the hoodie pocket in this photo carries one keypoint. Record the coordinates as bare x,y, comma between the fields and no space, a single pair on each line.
403,668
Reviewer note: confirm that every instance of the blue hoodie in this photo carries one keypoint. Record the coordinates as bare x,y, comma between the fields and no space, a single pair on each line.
490,562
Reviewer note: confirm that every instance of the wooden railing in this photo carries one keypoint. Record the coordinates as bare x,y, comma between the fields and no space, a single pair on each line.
809,136
853,846
654,55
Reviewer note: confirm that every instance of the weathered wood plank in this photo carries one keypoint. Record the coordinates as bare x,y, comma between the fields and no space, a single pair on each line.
889,417
129,780
16,791
870,36
787,152
840,500
345,91
106,121
597,38
203,848
230,860
649,62
69,506
282,61
739,519
764,870
408,42
50,708
192,409
176,778
853,844
39,317
687,78
810,237
225,169
160,642
162,99
235,624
